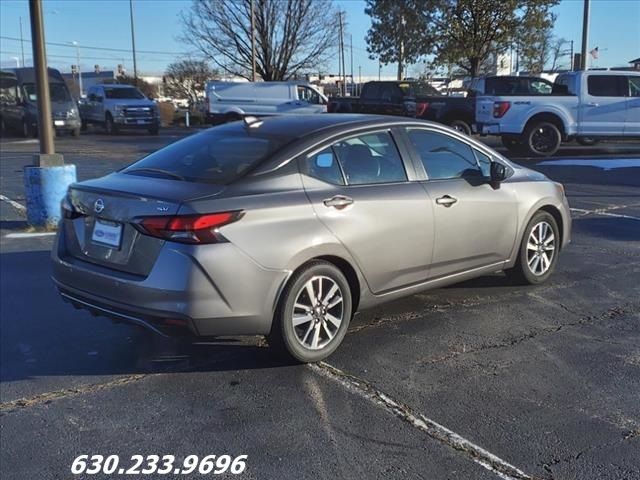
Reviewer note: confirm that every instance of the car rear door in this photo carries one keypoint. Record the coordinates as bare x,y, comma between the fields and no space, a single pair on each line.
475,224
632,123
602,107
361,190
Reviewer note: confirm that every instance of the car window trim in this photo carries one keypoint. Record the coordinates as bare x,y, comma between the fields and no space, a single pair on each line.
305,158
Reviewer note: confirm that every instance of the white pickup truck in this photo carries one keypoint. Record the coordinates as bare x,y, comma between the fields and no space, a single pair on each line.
586,106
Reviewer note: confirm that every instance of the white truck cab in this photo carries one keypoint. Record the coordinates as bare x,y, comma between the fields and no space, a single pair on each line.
229,101
585,104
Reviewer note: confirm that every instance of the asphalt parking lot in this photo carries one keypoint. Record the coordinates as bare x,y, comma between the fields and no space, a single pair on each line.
478,380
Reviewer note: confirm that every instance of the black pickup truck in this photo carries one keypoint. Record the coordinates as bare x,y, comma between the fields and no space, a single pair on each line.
421,100
411,99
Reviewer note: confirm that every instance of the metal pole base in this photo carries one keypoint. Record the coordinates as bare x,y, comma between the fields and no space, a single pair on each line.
45,187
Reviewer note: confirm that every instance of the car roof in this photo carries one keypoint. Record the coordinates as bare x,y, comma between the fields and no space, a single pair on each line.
301,125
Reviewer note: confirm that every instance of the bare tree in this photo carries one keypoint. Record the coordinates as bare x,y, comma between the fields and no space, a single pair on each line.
557,51
292,36
187,79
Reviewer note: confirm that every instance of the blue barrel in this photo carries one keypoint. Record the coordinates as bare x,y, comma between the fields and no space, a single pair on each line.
45,187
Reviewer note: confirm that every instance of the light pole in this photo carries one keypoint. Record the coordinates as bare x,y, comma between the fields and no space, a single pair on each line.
133,44
21,42
75,44
585,35
253,42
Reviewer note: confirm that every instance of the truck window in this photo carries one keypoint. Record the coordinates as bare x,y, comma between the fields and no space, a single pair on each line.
540,87
123,93
371,91
391,92
308,94
634,86
606,85
8,94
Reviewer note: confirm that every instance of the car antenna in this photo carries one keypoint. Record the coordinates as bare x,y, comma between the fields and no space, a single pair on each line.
251,121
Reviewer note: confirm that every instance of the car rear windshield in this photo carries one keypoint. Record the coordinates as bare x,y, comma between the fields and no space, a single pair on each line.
123,93
219,155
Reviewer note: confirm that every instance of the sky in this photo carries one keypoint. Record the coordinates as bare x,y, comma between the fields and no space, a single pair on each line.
614,29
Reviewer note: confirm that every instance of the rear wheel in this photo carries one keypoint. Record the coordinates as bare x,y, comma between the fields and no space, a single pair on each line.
313,313
538,252
542,139
461,126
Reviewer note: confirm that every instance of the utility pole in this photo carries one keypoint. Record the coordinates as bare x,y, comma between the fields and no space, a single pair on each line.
379,69
253,41
585,35
21,42
341,59
133,44
79,69
351,45
359,79
47,180
403,22
571,58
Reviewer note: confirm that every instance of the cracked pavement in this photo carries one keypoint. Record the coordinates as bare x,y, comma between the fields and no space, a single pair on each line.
545,379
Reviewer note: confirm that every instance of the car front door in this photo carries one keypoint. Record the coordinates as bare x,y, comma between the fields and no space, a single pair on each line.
603,107
632,123
475,224
361,190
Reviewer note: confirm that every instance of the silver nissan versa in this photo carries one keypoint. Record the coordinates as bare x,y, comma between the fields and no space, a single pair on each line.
287,226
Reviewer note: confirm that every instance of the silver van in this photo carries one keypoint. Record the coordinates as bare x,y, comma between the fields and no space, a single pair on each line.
228,101
19,107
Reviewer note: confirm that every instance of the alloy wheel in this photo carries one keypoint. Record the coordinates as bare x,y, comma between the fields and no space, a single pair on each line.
541,248
543,139
318,312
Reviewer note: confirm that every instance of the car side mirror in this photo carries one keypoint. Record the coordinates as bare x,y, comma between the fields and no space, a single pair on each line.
498,172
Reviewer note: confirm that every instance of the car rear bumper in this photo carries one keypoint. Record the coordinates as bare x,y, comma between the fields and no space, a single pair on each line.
206,290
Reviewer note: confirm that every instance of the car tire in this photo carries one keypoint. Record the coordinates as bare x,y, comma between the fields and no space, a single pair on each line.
513,144
461,126
109,125
587,141
304,330
27,129
538,252
542,139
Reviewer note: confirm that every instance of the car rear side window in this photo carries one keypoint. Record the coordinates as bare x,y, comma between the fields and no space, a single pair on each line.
634,86
606,85
219,155
443,156
370,158
323,166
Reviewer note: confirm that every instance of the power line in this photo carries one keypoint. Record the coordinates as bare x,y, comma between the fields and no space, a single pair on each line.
107,49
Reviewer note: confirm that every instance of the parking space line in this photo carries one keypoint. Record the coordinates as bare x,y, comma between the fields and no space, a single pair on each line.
604,212
13,203
479,455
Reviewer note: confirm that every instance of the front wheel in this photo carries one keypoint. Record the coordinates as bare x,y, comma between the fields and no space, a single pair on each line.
313,313
109,125
538,253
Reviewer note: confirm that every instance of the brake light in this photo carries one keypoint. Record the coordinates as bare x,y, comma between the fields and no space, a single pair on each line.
500,108
421,107
188,228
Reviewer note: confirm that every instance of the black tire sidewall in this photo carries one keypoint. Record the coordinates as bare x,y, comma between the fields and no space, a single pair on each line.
465,126
283,327
526,274
529,134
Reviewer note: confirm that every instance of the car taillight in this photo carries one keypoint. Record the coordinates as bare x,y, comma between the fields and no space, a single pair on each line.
202,228
500,108
421,107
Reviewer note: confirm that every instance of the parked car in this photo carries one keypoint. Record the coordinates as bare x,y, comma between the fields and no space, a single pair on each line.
586,105
287,226
19,106
119,106
228,101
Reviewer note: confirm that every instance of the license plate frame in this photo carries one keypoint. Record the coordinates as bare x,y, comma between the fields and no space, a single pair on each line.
107,234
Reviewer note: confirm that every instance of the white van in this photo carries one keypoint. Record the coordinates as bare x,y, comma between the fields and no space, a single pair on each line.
232,100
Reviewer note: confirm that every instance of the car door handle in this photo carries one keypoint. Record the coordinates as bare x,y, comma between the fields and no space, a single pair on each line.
338,201
593,104
447,201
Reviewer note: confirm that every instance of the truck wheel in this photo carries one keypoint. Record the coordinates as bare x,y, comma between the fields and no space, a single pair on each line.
461,126
587,141
109,126
27,129
542,139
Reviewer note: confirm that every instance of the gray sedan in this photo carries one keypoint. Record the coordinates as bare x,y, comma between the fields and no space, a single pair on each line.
287,226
